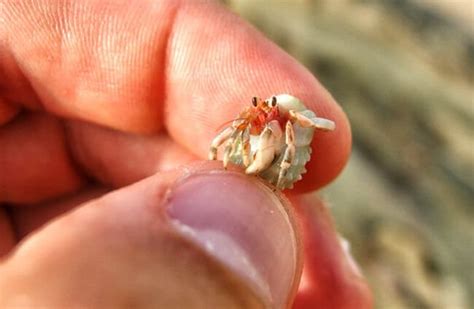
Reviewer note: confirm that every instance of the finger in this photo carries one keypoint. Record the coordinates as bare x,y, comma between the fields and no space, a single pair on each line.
191,237
77,72
34,161
94,60
117,158
331,278
39,161
25,220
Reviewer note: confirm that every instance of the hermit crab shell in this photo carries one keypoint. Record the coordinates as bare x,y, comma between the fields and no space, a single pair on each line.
303,138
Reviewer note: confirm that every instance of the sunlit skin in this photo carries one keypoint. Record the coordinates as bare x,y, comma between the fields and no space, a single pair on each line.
100,104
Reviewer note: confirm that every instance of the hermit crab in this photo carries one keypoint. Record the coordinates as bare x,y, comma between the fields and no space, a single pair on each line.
271,138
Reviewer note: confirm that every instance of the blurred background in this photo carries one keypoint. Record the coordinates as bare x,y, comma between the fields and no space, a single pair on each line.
403,72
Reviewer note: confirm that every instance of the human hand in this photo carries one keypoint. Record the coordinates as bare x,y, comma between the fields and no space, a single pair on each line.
96,96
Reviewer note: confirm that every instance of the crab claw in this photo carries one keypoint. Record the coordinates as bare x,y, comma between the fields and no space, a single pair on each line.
315,122
217,141
265,153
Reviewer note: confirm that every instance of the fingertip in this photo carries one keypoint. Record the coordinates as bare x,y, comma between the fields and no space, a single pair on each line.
210,81
171,239
243,224
91,60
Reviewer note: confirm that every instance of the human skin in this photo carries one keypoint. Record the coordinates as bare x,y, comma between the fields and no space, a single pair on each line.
106,97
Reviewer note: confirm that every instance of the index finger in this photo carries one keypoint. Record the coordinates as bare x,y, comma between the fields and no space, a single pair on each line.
189,65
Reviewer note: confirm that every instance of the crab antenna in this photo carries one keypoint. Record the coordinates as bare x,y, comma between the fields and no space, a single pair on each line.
221,127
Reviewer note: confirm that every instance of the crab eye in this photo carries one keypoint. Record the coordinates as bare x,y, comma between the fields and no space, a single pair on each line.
254,101
274,101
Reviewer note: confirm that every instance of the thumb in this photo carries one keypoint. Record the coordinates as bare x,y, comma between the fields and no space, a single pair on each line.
192,237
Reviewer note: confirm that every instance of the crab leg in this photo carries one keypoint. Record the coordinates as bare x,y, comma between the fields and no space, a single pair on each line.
219,140
316,122
230,146
266,148
289,155
246,147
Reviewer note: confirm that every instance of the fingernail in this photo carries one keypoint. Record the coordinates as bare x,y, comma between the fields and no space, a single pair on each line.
244,225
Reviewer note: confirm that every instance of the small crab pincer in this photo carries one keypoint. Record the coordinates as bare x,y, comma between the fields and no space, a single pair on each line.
271,138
